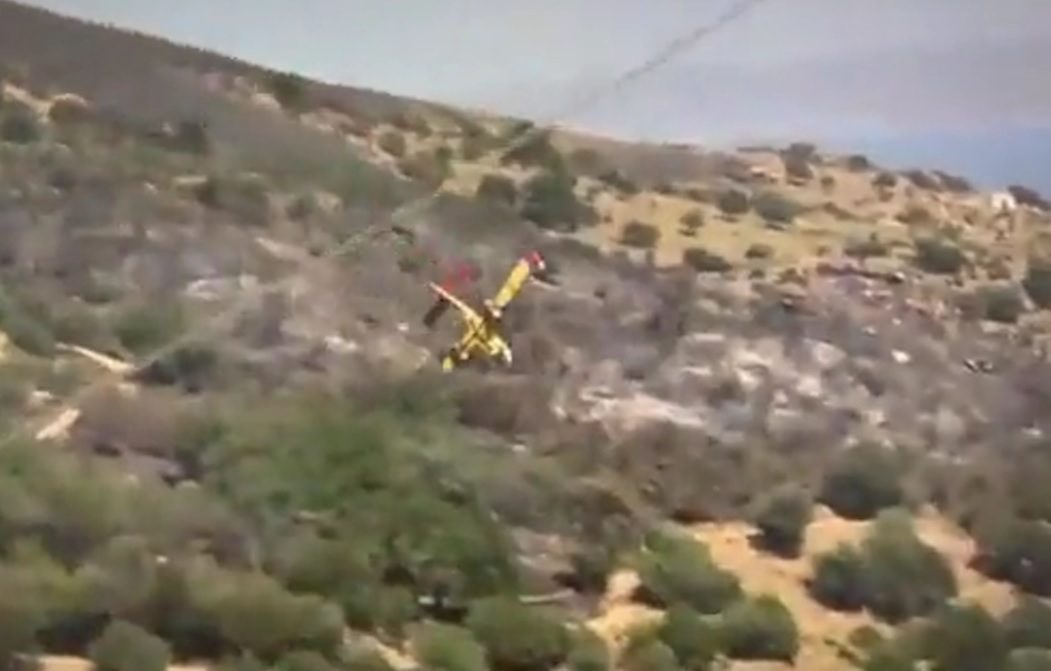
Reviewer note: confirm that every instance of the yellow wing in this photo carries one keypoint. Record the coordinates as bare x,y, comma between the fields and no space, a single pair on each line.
472,318
516,279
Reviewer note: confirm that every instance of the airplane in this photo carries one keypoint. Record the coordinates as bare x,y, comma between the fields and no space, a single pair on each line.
482,337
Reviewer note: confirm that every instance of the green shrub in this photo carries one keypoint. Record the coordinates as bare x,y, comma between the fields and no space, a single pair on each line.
537,151
242,195
242,662
694,642
760,628
861,482
517,638
783,518
22,614
759,250
1037,282
290,90
303,660
733,202
425,168
143,328
591,567
638,234
1029,659
939,256
858,163
865,248
839,579
888,657
903,577
497,189
1001,304
25,330
649,655
364,659
797,167
443,647
691,222
126,647
19,126
393,143
588,652
1028,624
704,261
677,569
550,202
619,182
1019,551
775,207
965,638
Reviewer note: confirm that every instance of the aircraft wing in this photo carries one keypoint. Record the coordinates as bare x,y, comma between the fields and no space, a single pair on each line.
513,284
469,315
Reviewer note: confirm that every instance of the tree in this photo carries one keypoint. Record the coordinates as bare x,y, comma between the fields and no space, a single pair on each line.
127,647
760,628
1028,624
19,126
649,655
517,638
694,642
733,202
704,261
677,569
1037,282
861,482
551,203
588,652
1019,551
939,256
638,234
444,647
1029,659
965,638
497,189
839,579
783,518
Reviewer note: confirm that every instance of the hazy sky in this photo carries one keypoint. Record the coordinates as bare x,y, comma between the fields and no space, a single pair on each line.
827,67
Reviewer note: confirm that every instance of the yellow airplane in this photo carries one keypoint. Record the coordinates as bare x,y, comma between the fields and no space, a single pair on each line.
482,338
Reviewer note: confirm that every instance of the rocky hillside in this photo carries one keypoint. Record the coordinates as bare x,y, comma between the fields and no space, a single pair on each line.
777,407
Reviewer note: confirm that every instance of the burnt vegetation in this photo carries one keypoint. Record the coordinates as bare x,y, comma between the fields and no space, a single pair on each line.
268,489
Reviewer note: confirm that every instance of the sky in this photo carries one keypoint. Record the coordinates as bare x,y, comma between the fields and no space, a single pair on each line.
829,70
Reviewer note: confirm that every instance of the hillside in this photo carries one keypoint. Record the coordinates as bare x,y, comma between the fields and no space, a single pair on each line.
228,444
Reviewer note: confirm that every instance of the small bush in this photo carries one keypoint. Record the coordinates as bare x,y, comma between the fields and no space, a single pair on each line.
704,261
691,222
888,657
1002,304
303,660
861,482
1037,282
23,328
797,168
865,248
425,168
858,163
915,215
290,90
127,647
782,520
244,196
591,567
191,136
18,126
638,234
550,202
649,655
954,183
776,208
965,638
839,577
922,180
939,256
68,110
588,652
1029,659
498,189
393,143
903,577
678,569
537,151
884,180
759,250
694,642
619,182
1028,624
760,628
143,328
1018,551
443,647
517,638
733,202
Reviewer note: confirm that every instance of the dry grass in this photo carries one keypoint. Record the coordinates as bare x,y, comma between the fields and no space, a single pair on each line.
823,632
